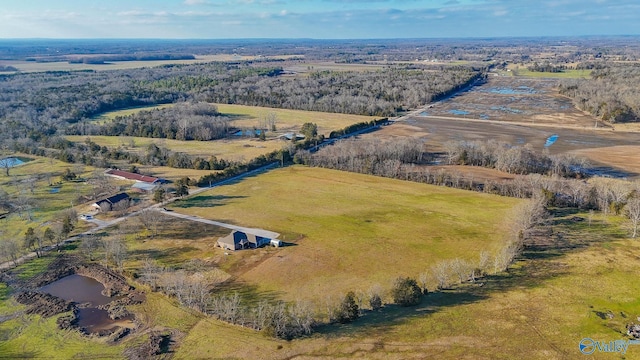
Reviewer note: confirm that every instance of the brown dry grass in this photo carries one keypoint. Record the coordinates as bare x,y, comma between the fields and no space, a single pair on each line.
625,157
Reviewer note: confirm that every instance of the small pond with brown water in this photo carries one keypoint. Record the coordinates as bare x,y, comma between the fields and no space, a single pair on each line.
88,293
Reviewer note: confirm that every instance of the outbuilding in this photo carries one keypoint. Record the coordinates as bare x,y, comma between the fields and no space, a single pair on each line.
109,203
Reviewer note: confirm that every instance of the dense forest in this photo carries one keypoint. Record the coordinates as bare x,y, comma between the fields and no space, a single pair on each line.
611,94
44,104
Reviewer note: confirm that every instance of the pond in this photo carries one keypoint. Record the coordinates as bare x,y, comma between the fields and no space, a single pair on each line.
82,290
506,109
520,90
551,140
10,162
247,133
78,288
458,112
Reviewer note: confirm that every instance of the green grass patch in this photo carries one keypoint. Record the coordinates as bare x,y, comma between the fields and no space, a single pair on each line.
565,74
45,204
110,115
159,311
36,337
33,267
240,149
289,120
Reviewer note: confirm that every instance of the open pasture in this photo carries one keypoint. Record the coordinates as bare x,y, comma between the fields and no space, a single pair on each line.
540,309
229,149
249,117
624,157
523,71
45,201
289,120
350,231
110,115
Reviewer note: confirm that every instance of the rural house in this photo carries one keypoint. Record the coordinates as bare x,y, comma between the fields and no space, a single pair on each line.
109,203
239,240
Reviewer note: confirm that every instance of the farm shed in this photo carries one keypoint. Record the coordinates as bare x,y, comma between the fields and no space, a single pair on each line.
108,203
239,240
125,175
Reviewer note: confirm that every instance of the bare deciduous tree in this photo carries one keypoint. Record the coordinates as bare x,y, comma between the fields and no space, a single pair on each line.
90,245
441,272
461,268
151,220
632,210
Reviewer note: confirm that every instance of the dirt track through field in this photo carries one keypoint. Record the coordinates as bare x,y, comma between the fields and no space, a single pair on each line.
259,232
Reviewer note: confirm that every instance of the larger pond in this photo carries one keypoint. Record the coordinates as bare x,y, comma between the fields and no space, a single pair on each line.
10,162
85,290
79,289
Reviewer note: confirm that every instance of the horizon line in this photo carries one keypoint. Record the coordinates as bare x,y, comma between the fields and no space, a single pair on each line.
325,39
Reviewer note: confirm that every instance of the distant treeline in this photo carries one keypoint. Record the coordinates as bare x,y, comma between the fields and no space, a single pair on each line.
547,67
611,94
569,50
38,105
101,59
7,68
372,93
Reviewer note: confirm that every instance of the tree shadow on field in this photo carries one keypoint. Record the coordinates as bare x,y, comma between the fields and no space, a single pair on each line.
205,201
249,293
373,320
174,256
238,116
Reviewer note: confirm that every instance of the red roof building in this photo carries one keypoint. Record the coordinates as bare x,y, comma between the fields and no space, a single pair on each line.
132,176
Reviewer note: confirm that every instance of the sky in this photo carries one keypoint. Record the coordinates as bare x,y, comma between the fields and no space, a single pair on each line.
318,19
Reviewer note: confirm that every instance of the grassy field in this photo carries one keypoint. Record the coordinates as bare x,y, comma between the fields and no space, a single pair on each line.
583,287
522,71
289,120
253,116
240,149
350,231
45,204
110,115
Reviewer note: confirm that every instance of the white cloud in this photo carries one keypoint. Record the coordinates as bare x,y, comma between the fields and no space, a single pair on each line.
196,2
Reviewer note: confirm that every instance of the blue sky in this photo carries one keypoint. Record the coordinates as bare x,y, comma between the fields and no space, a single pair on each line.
320,19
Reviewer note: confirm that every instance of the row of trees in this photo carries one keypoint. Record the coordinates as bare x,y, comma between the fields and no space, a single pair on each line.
512,159
184,121
390,158
610,94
